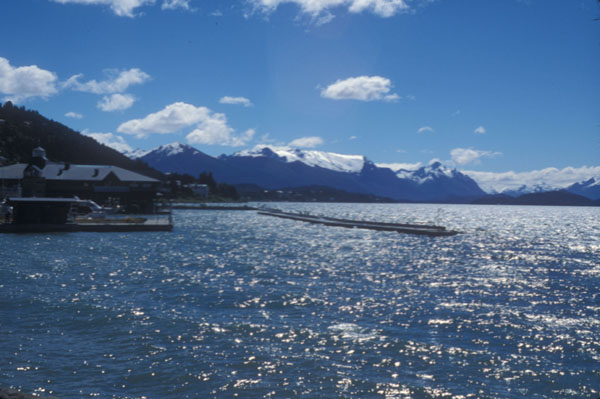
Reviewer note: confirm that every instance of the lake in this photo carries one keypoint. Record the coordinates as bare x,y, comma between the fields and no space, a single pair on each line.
235,304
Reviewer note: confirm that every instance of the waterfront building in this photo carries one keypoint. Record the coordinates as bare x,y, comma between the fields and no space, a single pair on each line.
104,184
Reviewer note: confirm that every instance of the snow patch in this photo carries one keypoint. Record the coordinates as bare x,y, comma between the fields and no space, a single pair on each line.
325,160
137,153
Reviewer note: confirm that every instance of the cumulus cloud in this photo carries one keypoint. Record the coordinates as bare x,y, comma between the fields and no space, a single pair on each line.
22,83
116,82
321,10
306,142
216,132
110,140
209,127
116,102
552,177
236,101
463,156
74,115
425,129
170,119
363,88
480,130
122,8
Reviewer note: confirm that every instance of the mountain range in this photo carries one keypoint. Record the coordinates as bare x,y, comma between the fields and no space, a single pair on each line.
269,167
277,167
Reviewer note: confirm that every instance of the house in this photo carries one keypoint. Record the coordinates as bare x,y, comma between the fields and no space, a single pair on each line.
104,184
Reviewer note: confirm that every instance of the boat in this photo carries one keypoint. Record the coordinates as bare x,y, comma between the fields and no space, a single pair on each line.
419,229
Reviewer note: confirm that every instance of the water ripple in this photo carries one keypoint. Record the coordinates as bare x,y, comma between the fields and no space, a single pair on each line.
233,304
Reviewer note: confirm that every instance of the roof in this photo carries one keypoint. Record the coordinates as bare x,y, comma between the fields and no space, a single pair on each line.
41,200
59,171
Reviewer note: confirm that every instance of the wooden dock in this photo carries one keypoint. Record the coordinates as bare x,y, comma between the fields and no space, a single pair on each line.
96,226
214,207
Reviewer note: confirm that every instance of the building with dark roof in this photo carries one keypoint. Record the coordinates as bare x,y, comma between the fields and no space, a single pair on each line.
102,183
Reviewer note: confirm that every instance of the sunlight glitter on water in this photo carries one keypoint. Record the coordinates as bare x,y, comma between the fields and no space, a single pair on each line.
232,303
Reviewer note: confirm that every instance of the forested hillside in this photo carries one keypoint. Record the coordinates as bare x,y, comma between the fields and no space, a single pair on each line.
21,130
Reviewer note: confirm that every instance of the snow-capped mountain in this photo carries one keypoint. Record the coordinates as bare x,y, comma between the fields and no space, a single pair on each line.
162,151
275,167
135,154
436,177
433,171
180,158
326,160
525,189
589,188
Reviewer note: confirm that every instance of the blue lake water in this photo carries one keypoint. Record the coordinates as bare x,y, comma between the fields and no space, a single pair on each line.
235,304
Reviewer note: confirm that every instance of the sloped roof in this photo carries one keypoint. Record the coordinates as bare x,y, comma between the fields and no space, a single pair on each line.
58,171
14,171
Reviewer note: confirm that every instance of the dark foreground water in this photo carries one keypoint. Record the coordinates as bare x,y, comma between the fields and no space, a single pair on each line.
234,304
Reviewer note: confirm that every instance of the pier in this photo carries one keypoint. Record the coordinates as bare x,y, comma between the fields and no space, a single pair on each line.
43,215
418,229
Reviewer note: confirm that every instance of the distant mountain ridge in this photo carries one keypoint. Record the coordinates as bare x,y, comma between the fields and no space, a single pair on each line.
557,197
589,188
276,167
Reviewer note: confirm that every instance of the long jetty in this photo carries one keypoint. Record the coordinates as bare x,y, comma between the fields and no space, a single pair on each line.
419,229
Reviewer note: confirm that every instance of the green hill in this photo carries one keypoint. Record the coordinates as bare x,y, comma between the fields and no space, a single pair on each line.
21,130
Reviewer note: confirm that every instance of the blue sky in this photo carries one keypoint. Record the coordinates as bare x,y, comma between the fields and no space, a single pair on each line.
483,85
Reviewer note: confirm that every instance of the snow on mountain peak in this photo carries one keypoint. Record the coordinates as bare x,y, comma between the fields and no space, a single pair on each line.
174,148
326,160
418,173
135,154
165,150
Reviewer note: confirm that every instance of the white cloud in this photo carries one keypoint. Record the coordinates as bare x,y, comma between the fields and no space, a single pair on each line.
110,140
21,83
480,130
363,88
123,8
215,131
170,119
236,100
211,130
209,127
425,129
352,138
116,102
242,139
321,10
175,4
116,82
74,115
306,142
552,177
463,156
